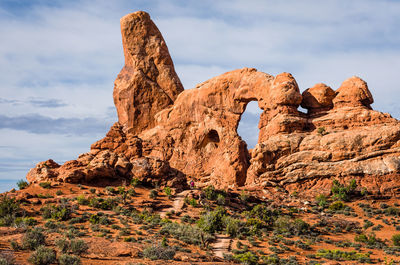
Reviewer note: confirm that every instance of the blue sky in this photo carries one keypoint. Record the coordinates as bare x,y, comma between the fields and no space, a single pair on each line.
59,59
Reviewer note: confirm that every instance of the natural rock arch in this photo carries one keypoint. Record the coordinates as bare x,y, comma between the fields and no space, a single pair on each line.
165,134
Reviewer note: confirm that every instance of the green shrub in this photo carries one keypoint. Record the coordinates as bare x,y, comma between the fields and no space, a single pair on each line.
22,184
65,259
132,192
159,251
59,192
62,244
392,211
210,193
82,200
247,258
212,221
284,225
110,190
7,259
396,239
9,210
342,192
336,254
321,200
321,130
75,246
78,247
45,185
153,194
231,225
60,212
168,191
192,202
370,239
94,219
135,182
244,196
25,221
337,206
42,256
33,239
261,212
92,190
104,204
187,233
220,199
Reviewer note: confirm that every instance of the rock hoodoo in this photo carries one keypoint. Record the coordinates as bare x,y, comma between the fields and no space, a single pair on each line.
165,134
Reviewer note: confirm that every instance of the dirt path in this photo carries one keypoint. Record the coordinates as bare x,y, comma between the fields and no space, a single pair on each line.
178,203
221,245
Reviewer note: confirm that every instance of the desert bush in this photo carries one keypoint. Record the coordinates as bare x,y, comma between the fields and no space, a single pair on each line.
220,199
342,192
33,239
212,221
187,233
244,196
321,130
187,219
104,204
25,221
153,194
62,244
394,211
336,254
231,225
9,210
75,246
82,200
284,225
45,185
321,200
337,206
210,193
135,182
7,258
22,184
396,239
247,258
110,190
42,256
367,239
159,251
267,215
78,247
168,192
65,259
61,212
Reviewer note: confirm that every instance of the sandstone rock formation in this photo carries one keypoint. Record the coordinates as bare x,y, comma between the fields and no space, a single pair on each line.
167,135
318,98
147,83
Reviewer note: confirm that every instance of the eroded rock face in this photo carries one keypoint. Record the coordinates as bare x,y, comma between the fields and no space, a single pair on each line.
353,92
166,135
318,98
147,83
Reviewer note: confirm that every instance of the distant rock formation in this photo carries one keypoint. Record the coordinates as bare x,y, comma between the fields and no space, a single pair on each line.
166,135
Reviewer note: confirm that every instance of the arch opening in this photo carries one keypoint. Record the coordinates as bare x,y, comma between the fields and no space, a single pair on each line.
248,124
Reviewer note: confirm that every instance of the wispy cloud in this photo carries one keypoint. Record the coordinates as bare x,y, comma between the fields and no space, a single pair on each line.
39,124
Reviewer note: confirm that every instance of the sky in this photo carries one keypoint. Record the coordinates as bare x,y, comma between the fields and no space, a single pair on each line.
59,60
